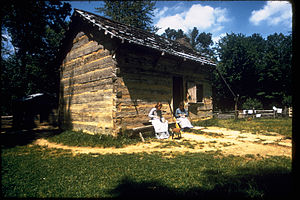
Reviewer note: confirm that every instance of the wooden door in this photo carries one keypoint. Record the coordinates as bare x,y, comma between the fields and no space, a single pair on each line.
177,92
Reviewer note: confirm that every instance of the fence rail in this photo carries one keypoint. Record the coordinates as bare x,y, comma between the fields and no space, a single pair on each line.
255,113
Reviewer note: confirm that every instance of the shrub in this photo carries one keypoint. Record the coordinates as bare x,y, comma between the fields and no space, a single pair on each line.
252,104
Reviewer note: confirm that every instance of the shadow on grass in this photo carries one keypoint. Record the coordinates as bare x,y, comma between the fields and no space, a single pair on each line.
245,186
12,138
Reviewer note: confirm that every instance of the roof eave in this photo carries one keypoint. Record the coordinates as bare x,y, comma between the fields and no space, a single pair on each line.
123,39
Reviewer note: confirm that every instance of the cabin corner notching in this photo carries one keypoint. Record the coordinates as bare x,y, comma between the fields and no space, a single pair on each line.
113,74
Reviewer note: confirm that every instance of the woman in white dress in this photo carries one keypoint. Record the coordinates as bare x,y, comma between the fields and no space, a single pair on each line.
159,123
181,115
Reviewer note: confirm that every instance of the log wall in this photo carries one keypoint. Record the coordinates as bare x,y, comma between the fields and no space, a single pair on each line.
87,87
103,91
145,78
137,94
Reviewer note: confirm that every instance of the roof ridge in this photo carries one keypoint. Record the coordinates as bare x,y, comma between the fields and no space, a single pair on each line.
142,37
139,29
113,21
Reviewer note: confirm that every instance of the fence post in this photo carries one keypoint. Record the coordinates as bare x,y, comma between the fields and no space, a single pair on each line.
236,112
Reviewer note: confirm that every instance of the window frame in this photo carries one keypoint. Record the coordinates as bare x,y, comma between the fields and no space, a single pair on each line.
192,90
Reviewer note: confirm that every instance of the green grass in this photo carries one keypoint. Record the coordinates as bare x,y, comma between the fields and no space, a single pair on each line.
282,126
33,171
174,143
264,126
78,138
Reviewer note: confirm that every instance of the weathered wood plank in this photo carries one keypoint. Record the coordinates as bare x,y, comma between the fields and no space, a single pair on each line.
90,96
90,86
81,68
96,75
90,129
84,59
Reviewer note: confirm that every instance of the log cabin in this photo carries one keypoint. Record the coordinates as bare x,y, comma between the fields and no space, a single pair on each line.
112,75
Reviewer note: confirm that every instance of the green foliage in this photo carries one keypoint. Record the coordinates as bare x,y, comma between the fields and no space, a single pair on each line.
287,100
252,104
36,29
199,42
254,67
172,34
134,13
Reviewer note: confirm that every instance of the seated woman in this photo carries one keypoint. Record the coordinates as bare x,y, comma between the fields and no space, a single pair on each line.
181,115
159,123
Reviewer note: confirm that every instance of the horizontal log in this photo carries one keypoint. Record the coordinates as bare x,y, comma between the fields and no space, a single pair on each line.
145,128
138,119
83,50
142,129
81,68
104,118
92,106
89,109
169,67
70,65
86,97
79,41
80,36
101,114
86,58
92,129
93,86
70,92
108,124
89,86
148,87
96,74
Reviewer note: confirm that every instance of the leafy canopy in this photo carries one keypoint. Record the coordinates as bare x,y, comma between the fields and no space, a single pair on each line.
134,13
36,29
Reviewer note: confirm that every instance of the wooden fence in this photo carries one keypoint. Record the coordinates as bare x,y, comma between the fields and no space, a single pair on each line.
255,113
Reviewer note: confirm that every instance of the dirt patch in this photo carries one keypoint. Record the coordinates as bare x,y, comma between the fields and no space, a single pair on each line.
210,139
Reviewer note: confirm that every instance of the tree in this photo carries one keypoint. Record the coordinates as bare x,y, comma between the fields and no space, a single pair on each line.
204,41
276,75
255,68
239,60
172,34
134,13
36,29
199,42
193,37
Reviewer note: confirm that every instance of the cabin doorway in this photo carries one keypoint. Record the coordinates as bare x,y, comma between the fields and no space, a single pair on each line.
177,91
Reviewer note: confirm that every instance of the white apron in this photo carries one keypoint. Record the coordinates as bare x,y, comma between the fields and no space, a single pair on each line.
184,122
160,128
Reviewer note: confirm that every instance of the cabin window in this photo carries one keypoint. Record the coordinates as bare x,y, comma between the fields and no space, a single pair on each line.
195,92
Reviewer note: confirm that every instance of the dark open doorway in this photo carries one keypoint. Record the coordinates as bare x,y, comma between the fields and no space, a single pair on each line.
177,91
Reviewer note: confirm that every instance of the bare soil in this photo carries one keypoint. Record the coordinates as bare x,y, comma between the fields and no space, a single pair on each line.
211,139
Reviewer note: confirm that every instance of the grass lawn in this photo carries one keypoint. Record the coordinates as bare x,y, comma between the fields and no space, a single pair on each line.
282,126
73,138
264,126
34,171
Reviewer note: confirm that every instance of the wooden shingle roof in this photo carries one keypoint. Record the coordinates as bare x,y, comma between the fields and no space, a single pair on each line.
142,37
